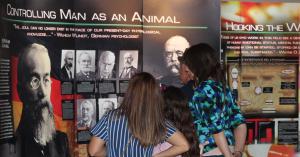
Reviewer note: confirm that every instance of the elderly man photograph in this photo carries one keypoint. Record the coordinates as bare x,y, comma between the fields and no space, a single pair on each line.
128,69
36,135
86,114
85,67
105,105
106,63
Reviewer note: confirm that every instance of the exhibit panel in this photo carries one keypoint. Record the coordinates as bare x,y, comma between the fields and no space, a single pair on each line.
69,63
260,45
80,45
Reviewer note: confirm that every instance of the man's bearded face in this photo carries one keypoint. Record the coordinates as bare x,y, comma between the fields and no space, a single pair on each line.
174,48
34,89
43,122
172,60
85,62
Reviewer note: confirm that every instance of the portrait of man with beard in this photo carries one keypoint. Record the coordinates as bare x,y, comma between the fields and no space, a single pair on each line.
174,48
85,65
36,135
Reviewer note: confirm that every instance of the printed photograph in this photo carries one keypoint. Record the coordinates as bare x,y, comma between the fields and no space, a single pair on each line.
67,65
128,63
106,65
85,65
86,113
105,105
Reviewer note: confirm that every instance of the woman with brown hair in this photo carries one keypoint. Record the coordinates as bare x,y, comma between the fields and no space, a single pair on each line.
177,111
213,107
137,125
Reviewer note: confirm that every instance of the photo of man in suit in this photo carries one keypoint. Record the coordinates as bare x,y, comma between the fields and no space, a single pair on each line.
67,69
128,69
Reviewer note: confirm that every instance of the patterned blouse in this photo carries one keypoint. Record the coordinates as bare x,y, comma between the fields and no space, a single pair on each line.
211,115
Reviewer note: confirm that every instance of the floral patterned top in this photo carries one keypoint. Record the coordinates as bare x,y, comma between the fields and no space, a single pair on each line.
211,115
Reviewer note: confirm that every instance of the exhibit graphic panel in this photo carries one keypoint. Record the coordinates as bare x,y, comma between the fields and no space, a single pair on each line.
88,51
260,48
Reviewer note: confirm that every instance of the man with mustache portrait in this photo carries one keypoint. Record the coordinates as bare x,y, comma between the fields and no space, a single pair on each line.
174,48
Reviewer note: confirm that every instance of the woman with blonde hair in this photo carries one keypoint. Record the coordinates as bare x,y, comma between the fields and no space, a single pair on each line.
137,125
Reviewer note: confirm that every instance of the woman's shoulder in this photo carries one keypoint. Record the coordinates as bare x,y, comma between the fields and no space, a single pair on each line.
113,115
213,84
208,85
208,88
117,113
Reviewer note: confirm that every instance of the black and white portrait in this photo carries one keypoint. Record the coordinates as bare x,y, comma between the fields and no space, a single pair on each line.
86,113
128,63
106,65
105,105
174,47
67,64
85,65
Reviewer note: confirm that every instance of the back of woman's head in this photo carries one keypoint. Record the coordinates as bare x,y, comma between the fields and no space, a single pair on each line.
175,105
177,111
143,105
203,61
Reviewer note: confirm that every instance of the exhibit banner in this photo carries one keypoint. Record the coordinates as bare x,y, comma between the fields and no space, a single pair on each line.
70,62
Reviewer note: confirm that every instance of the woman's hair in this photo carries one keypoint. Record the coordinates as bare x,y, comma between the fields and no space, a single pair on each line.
143,106
203,61
177,111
